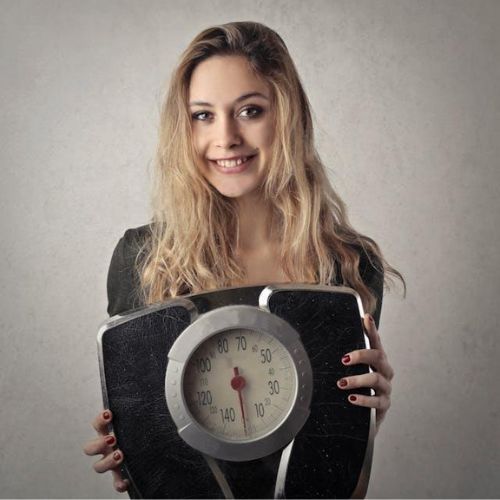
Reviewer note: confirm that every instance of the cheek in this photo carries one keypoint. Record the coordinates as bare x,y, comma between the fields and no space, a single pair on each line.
261,136
197,145
268,132
199,140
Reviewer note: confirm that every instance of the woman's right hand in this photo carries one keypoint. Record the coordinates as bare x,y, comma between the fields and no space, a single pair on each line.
104,444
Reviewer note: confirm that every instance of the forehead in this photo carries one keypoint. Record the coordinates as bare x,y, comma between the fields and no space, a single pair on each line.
222,79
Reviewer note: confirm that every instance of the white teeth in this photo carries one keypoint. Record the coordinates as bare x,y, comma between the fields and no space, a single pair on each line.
232,163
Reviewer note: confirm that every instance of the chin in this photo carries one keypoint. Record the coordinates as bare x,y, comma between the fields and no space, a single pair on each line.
233,188
236,193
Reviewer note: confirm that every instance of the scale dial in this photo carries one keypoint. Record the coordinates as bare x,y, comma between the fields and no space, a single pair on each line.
240,384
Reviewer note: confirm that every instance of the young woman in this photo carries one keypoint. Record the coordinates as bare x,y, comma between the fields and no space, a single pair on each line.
241,197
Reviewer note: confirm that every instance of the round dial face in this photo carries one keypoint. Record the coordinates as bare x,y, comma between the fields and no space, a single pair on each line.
240,384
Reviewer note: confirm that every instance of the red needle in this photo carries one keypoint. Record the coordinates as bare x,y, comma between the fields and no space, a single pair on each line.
237,383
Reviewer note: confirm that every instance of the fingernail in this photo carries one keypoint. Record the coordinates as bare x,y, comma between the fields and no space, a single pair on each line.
116,455
106,415
346,359
352,398
110,440
342,382
370,317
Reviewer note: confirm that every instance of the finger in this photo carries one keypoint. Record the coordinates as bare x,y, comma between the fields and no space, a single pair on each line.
121,485
373,357
372,332
372,380
101,422
109,462
101,444
380,403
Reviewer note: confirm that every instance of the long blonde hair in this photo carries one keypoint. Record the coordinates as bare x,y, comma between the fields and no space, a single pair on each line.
194,228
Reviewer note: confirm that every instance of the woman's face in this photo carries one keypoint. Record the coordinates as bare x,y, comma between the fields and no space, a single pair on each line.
231,120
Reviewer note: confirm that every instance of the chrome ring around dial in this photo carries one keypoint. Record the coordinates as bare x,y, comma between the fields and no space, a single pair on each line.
238,383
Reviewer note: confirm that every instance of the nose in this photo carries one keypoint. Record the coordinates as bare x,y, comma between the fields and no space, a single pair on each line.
227,133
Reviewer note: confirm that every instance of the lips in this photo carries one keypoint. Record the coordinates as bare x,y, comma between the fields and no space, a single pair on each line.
236,169
233,158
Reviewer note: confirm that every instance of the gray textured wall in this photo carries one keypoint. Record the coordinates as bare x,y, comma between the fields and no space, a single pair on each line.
407,107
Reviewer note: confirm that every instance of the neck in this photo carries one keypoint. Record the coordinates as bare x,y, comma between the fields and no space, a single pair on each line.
254,224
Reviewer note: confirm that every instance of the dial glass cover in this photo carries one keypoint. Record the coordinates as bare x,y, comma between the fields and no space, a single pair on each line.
240,384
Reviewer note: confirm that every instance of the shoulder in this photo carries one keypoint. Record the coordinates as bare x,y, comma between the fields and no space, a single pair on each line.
371,272
123,278
370,268
128,247
135,237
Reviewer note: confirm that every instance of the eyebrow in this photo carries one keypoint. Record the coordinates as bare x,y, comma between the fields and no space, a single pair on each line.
239,99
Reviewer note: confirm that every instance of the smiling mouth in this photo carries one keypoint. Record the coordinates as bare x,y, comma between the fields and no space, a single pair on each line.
233,166
233,163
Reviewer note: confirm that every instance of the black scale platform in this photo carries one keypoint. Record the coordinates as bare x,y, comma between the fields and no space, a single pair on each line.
331,455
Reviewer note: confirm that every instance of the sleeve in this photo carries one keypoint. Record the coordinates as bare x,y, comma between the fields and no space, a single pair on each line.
123,284
372,273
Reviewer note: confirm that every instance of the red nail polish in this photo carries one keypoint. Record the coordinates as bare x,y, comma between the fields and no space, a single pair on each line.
110,440
352,398
346,359
342,382
116,455
370,317
106,415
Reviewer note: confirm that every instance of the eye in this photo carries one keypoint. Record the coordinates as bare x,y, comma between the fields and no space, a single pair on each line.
253,112
196,116
256,111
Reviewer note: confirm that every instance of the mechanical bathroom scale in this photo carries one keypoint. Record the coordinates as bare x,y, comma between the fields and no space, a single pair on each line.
232,393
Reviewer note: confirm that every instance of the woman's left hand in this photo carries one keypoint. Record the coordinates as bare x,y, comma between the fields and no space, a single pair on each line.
379,379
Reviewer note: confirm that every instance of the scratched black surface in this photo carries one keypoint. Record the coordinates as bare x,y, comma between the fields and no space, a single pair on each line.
160,464
328,452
